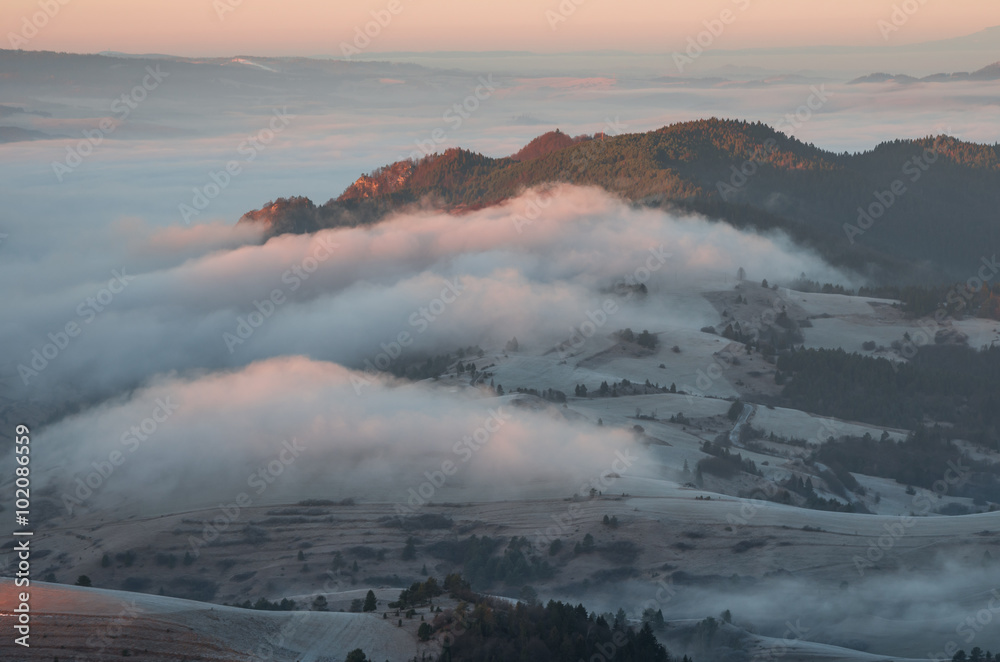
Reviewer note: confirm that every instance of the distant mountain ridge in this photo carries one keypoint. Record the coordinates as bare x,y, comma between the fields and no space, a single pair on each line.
940,219
987,73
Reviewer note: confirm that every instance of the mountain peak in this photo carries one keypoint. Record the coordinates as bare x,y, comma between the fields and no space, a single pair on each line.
545,144
383,181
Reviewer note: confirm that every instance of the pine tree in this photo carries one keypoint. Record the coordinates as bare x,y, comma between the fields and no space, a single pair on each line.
370,602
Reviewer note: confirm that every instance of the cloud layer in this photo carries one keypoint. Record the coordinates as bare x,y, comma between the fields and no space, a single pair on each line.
290,428
210,298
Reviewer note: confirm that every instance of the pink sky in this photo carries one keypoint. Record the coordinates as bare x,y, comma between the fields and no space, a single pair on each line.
313,27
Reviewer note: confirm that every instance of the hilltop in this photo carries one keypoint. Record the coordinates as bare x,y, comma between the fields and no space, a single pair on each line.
746,174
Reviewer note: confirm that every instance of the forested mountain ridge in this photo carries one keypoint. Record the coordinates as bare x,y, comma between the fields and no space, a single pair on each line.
929,205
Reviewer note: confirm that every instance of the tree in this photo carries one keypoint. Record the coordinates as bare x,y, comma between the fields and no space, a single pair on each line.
83,580
764,284
356,655
653,617
302,555
621,619
741,273
319,603
424,631
370,602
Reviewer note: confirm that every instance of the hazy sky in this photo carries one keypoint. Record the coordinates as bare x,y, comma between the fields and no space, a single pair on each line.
313,27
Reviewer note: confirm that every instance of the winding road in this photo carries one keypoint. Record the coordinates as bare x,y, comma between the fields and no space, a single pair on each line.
734,434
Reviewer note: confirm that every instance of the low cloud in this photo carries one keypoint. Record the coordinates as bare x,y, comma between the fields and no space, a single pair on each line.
208,298
198,442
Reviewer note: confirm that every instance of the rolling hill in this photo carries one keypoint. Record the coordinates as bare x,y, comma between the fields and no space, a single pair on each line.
905,210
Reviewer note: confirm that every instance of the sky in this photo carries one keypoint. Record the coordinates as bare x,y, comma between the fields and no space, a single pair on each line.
317,27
